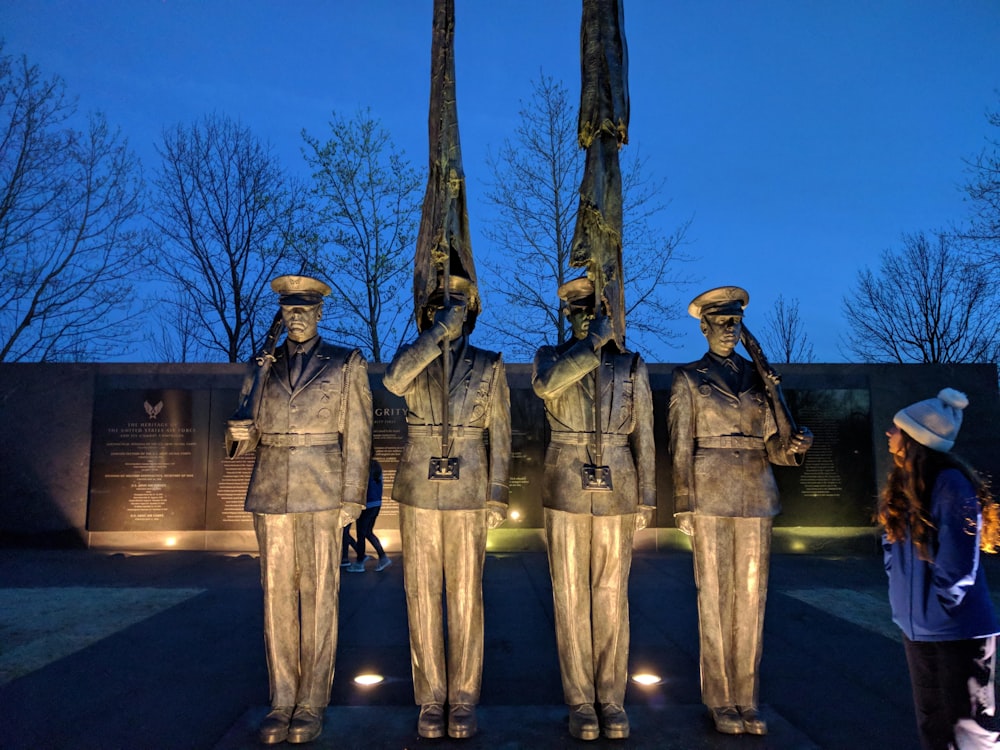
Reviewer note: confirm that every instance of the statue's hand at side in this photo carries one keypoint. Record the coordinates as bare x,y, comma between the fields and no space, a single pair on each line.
801,441
644,517
496,514
239,429
349,513
684,522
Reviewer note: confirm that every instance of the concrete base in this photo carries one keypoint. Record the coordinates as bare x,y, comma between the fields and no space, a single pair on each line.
524,728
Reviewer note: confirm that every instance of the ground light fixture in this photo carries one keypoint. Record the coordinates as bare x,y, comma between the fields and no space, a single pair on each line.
368,679
646,679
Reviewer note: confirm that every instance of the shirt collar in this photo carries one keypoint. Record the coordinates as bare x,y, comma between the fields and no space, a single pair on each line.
305,347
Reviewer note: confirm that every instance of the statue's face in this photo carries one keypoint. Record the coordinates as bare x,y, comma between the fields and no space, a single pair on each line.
579,317
302,321
435,305
723,332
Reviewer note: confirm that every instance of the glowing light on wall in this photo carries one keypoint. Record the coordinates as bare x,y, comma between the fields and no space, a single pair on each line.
367,680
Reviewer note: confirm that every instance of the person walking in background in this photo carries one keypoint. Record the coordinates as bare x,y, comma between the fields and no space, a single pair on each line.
348,544
366,524
938,514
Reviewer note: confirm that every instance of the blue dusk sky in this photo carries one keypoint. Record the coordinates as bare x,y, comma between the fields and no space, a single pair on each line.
803,137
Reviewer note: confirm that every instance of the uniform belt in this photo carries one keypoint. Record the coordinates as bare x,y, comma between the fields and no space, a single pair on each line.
586,438
741,442
291,439
457,431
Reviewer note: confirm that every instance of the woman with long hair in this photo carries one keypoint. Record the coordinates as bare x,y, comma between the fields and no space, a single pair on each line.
938,515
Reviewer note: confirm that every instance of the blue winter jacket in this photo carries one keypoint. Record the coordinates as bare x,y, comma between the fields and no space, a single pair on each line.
946,599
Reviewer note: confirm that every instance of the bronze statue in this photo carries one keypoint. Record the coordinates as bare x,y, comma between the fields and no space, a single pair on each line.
599,470
451,483
445,509
306,409
728,423
589,529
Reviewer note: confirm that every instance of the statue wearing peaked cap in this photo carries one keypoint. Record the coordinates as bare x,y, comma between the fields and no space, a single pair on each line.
444,513
306,409
589,531
451,483
728,423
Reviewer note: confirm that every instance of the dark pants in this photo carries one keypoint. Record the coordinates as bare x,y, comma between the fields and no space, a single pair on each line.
954,692
366,531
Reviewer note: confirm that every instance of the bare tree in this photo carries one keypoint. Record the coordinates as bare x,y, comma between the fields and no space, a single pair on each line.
533,192
929,302
783,335
653,262
983,191
175,338
68,246
230,219
368,208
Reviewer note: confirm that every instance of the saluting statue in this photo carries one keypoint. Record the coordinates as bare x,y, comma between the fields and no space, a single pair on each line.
590,520
447,502
451,483
306,408
728,423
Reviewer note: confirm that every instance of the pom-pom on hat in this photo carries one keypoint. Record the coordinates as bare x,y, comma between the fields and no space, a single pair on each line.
934,422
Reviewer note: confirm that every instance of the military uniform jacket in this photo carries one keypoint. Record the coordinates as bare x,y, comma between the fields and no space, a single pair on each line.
312,441
479,425
723,442
563,377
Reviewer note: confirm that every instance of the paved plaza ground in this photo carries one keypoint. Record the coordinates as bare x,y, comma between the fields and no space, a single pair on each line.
165,650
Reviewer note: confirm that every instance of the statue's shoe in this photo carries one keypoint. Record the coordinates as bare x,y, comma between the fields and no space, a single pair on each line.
307,724
430,723
752,722
462,721
583,722
274,728
727,720
614,721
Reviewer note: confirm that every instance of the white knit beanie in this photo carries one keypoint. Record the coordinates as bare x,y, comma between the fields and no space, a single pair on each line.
934,422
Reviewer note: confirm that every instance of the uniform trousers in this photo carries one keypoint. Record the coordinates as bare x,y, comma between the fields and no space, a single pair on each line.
443,556
589,560
300,575
731,564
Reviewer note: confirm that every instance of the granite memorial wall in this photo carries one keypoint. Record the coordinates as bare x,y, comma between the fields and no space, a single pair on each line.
132,456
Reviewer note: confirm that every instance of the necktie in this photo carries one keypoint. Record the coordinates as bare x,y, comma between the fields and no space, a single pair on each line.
732,374
295,367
